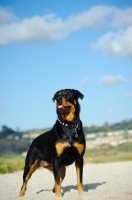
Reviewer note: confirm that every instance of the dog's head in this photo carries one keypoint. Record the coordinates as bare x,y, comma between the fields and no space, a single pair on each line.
67,104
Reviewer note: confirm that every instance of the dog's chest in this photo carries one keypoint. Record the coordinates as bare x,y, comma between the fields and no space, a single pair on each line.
70,142
70,134
66,149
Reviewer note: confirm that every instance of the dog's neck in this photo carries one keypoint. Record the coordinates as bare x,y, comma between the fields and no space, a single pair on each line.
74,126
71,124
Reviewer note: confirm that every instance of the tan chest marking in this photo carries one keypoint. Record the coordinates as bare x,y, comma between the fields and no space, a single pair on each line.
61,146
80,147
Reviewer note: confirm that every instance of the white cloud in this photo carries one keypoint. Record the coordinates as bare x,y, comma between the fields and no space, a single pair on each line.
128,95
107,112
122,17
6,15
116,43
95,17
49,28
112,80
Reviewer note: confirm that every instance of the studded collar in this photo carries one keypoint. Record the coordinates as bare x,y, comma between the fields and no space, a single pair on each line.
75,127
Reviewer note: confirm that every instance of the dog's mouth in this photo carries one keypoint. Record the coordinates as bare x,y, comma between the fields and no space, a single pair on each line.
66,109
61,107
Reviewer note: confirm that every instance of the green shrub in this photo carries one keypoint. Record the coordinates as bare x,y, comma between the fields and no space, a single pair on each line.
11,164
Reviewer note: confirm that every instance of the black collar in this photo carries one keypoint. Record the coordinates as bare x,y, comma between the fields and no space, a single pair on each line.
70,125
74,127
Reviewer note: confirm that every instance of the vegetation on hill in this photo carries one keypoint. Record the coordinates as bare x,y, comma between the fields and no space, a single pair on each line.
36,131
8,132
124,125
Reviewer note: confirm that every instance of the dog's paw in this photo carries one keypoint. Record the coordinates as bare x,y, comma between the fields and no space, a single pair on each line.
58,194
21,194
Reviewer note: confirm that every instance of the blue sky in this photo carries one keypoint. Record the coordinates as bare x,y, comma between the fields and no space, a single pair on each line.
50,45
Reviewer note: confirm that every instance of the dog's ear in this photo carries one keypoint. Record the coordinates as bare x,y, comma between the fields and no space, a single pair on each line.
78,94
54,97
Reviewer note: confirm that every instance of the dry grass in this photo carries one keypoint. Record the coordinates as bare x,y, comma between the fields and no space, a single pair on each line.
109,154
11,164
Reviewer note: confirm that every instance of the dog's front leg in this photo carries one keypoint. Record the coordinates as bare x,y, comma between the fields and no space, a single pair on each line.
57,186
79,171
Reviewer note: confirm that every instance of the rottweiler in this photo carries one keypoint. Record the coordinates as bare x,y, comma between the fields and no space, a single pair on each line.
60,146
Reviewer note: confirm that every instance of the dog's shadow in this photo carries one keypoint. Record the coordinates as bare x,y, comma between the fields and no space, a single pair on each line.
91,186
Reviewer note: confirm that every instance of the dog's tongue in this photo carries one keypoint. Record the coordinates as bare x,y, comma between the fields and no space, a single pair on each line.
60,106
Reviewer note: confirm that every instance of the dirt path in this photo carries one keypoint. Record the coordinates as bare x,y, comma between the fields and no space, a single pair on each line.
110,181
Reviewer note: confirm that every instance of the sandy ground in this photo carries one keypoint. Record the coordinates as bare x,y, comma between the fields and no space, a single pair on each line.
101,182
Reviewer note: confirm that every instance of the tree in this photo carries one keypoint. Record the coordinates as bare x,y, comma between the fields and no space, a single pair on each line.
6,131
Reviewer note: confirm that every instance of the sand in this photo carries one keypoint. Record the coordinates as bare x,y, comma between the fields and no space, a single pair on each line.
110,181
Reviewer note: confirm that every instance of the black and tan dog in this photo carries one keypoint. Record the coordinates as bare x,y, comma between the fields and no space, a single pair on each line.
61,146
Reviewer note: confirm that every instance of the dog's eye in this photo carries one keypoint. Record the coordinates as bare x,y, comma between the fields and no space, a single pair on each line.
58,94
67,95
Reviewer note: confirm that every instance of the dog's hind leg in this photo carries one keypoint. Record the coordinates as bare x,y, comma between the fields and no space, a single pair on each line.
28,171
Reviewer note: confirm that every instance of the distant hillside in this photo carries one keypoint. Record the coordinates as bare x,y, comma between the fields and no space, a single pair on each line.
17,142
36,131
124,125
